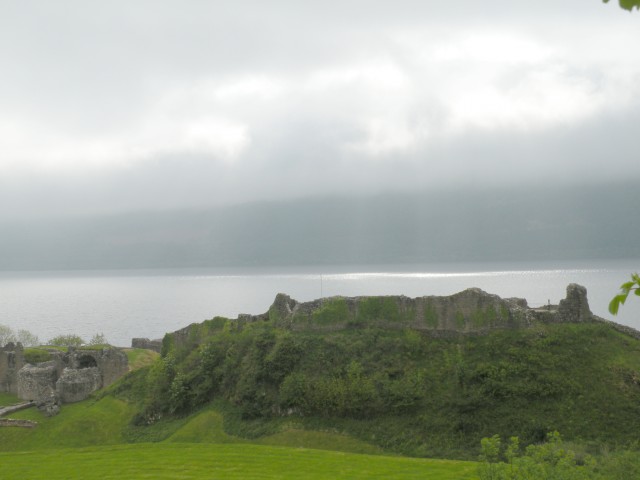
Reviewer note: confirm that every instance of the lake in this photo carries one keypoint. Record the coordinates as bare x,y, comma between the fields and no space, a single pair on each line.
124,304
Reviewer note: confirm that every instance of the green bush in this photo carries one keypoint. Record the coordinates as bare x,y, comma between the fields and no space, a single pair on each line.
549,460
99,339
69,340
36,355
25,337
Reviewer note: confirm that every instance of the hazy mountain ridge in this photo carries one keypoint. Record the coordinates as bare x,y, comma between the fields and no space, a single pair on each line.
544,223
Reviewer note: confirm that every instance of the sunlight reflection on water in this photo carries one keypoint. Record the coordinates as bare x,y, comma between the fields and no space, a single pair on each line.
126,304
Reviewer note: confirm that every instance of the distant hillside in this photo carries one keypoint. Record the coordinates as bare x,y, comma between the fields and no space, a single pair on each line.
429,376
545,223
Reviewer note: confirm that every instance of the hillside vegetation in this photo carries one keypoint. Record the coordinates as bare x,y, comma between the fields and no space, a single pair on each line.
414,391
426,377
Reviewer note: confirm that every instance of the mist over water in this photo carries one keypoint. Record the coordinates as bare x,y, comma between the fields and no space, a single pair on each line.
124,304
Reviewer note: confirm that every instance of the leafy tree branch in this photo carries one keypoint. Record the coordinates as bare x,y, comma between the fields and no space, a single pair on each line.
627,4
625,289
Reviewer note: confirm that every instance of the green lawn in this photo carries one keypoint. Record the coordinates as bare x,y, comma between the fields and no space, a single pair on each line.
7,399
227,461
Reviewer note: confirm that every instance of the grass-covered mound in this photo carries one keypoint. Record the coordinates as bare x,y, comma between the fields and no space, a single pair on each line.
370,377
400,389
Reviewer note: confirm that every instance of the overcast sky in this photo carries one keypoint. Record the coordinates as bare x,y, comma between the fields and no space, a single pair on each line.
136,105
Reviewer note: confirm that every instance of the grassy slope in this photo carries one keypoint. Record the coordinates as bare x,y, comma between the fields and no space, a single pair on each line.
476,388
77,425
208,427
194,447
92,422
580,379
593,369
140,357
240,461
106,421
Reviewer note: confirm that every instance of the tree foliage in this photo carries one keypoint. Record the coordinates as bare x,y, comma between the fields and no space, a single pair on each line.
69,340
99,339
628,4
6,335
626,288
550,459
25,337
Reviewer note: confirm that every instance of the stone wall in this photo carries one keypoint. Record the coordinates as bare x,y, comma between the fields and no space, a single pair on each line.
11,361
70,376
37,382
75,385
575,307
470,312
111,362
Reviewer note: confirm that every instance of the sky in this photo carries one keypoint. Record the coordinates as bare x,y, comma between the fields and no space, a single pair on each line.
150,105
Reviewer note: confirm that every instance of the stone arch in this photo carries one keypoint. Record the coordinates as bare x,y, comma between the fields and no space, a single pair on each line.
87,361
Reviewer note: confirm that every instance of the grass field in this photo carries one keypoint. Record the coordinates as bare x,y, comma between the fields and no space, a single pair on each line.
228,461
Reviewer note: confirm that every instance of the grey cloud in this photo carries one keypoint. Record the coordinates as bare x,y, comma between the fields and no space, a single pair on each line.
600,151
95,71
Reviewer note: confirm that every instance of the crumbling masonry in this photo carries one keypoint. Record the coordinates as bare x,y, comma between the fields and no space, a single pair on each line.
67,377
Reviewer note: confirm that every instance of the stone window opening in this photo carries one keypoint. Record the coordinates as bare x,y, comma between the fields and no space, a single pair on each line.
87,361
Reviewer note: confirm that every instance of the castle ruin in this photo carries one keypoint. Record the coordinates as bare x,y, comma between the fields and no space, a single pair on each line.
67,377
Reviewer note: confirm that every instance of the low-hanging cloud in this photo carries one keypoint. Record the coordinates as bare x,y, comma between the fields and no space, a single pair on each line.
154,105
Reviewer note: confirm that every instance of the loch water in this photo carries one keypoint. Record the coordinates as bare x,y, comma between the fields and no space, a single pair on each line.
124,304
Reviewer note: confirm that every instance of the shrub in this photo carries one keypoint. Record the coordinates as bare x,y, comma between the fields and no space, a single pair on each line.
547,460
99,339
69,340
36,355
27,339
6,335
